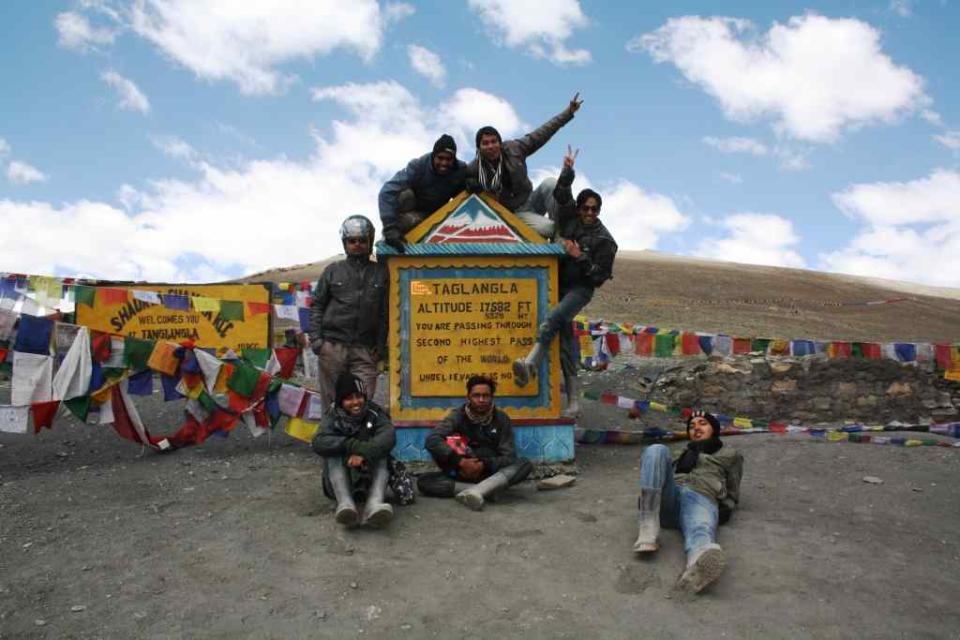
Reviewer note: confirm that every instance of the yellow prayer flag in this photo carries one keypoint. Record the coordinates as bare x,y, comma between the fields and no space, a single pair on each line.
743,423
162,358
301,429
659,406
912,442
200,303
952,374
837,436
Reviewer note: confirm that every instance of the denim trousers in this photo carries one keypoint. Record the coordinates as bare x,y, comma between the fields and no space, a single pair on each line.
695,514
560,320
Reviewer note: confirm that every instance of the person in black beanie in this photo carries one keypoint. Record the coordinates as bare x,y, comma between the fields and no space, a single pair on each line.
423,186
355,439
695,492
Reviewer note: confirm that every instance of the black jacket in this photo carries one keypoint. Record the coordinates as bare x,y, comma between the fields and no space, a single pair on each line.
430,189
373,438
350,304
599,248
492,444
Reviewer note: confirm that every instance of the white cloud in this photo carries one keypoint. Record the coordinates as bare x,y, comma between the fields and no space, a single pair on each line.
926,200
427,63
813,76
736,145
901,7
245,42
4,147
542,27
75,32
174,147
243,218
22,173
950,139
732,178
129,96
911,232
754,238
397,11
469,109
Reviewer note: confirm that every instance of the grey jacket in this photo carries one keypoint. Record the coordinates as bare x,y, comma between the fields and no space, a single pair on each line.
595,266
492,444
372,438
515,186
350,304
717,475
430,189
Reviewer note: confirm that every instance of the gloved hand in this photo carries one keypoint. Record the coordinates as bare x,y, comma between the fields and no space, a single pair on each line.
394,237
472,185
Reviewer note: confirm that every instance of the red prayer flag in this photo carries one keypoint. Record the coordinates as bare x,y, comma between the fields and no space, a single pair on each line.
613,344
690,344
944,355
643,344
100,346
256,308
111,296
608,398
742,345
841,349
43,414
287,357
871,350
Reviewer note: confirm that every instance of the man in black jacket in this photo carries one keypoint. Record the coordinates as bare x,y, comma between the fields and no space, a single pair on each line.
355,440
474,448
588,263
348,319
423,186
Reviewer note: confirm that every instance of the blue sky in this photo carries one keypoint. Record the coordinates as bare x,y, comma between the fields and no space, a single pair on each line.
178,140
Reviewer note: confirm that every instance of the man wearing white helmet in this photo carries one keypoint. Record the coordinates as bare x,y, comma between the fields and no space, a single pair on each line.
348,319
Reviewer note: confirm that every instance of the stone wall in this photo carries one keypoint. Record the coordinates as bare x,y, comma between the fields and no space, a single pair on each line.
806,390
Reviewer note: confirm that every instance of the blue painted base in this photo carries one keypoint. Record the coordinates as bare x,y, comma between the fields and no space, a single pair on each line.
537,443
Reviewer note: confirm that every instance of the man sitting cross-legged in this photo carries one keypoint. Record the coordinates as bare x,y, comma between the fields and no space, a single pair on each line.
474,448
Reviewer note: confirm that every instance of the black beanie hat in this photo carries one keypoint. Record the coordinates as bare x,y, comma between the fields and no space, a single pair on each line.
712,419
487,131
445,143
347,384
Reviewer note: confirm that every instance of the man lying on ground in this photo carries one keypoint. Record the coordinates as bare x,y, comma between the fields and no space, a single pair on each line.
474,448
694,492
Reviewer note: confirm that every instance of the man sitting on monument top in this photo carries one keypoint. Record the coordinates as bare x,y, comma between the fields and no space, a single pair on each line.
588,263
501,168
423,186
474,448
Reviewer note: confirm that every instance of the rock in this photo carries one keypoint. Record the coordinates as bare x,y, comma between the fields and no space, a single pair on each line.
723,367
872,480
846,389
77,608
867,401
780,367
787,385
354,585
39,622
555,482
899,389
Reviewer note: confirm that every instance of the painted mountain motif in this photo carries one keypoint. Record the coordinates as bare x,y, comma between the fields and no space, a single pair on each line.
473,221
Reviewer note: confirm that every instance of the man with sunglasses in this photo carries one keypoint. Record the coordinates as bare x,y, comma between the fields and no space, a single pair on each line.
588,263
348,319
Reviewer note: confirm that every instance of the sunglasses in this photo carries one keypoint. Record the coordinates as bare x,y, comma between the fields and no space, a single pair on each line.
356,241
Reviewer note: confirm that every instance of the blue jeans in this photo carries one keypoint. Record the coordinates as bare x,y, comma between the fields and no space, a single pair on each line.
681,507
560,320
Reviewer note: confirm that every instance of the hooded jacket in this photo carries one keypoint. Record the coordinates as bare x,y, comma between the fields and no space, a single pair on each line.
492,444
595,266
372,437
350,304
430,189
516,187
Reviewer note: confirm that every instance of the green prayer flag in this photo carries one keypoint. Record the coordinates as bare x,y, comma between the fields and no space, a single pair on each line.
664,344
244,379
79,407
230,310
856,350
207,402
760,344
113,373
257,357
136,352
84,295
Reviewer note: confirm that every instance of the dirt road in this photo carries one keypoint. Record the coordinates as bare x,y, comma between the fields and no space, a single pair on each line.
234,539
